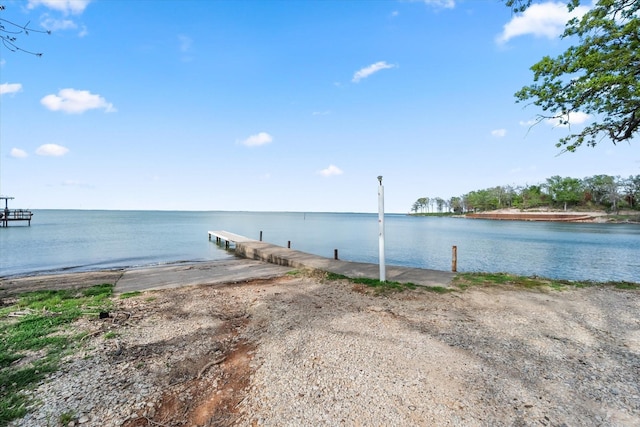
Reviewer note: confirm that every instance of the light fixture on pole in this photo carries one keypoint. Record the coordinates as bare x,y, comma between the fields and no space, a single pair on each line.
381,228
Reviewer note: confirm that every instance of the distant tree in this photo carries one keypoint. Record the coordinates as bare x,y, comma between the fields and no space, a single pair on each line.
510,195
424,202
596,188
10,32
631,188
598,191
613,196
455,204
603,190
565,191
480,200
531,196
598,76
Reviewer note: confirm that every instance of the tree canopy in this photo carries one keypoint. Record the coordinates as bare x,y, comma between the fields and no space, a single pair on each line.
595,192
599,76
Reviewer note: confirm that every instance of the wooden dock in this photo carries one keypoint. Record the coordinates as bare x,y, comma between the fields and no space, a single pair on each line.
228,238
11,215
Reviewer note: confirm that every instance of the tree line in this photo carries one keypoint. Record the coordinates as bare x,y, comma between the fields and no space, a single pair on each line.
598,192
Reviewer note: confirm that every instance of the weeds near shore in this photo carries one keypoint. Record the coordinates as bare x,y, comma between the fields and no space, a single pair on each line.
383,287
464,281
34,342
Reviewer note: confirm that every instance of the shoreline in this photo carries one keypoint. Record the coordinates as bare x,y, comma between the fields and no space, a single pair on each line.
510,214
147,278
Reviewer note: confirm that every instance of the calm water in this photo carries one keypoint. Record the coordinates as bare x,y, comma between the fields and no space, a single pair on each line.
89,240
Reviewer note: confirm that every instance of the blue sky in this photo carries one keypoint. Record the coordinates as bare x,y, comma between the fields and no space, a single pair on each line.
278,105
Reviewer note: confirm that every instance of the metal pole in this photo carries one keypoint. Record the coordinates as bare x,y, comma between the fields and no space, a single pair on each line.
383,276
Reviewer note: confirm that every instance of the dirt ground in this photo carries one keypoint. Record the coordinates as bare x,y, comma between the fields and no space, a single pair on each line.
223,355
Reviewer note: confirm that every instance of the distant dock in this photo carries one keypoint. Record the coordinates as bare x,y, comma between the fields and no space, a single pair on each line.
12,215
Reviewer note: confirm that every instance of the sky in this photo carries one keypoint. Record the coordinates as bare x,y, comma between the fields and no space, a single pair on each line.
279,105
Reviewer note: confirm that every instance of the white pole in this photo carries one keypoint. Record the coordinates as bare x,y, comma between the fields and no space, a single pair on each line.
381,228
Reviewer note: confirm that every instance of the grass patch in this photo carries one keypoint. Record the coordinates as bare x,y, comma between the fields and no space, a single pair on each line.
627,285
130,294
66,417
466,280
110,335
382,286
35,331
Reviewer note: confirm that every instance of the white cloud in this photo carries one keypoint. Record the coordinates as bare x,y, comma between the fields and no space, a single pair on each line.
574,119
18,153
52,150
50,23
53,24
321,113
447,4
10,88
499,133
75,7
258,139
541,20
527,123
367,71
332,170
74,101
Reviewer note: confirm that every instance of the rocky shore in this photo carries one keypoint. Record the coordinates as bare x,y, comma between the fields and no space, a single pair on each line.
302,350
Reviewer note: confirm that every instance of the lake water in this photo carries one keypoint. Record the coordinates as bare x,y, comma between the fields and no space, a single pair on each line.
74,240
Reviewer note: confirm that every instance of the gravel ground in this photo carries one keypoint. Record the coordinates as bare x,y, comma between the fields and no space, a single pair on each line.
304,351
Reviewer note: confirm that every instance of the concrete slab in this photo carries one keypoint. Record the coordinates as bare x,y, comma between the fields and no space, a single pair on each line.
214,272
274,254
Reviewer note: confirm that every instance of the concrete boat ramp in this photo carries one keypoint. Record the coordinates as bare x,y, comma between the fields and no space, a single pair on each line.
260,260
252,249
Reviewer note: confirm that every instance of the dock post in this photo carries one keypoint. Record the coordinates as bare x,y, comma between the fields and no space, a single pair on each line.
261,235
454,259
335,254
289,244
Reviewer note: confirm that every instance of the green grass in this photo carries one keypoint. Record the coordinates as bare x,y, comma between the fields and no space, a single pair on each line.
39,333
626,285
465,280
66,417
130,294
382,286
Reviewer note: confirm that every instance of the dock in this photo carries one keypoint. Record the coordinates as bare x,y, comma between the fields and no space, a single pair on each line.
12,215
274,254
227,238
